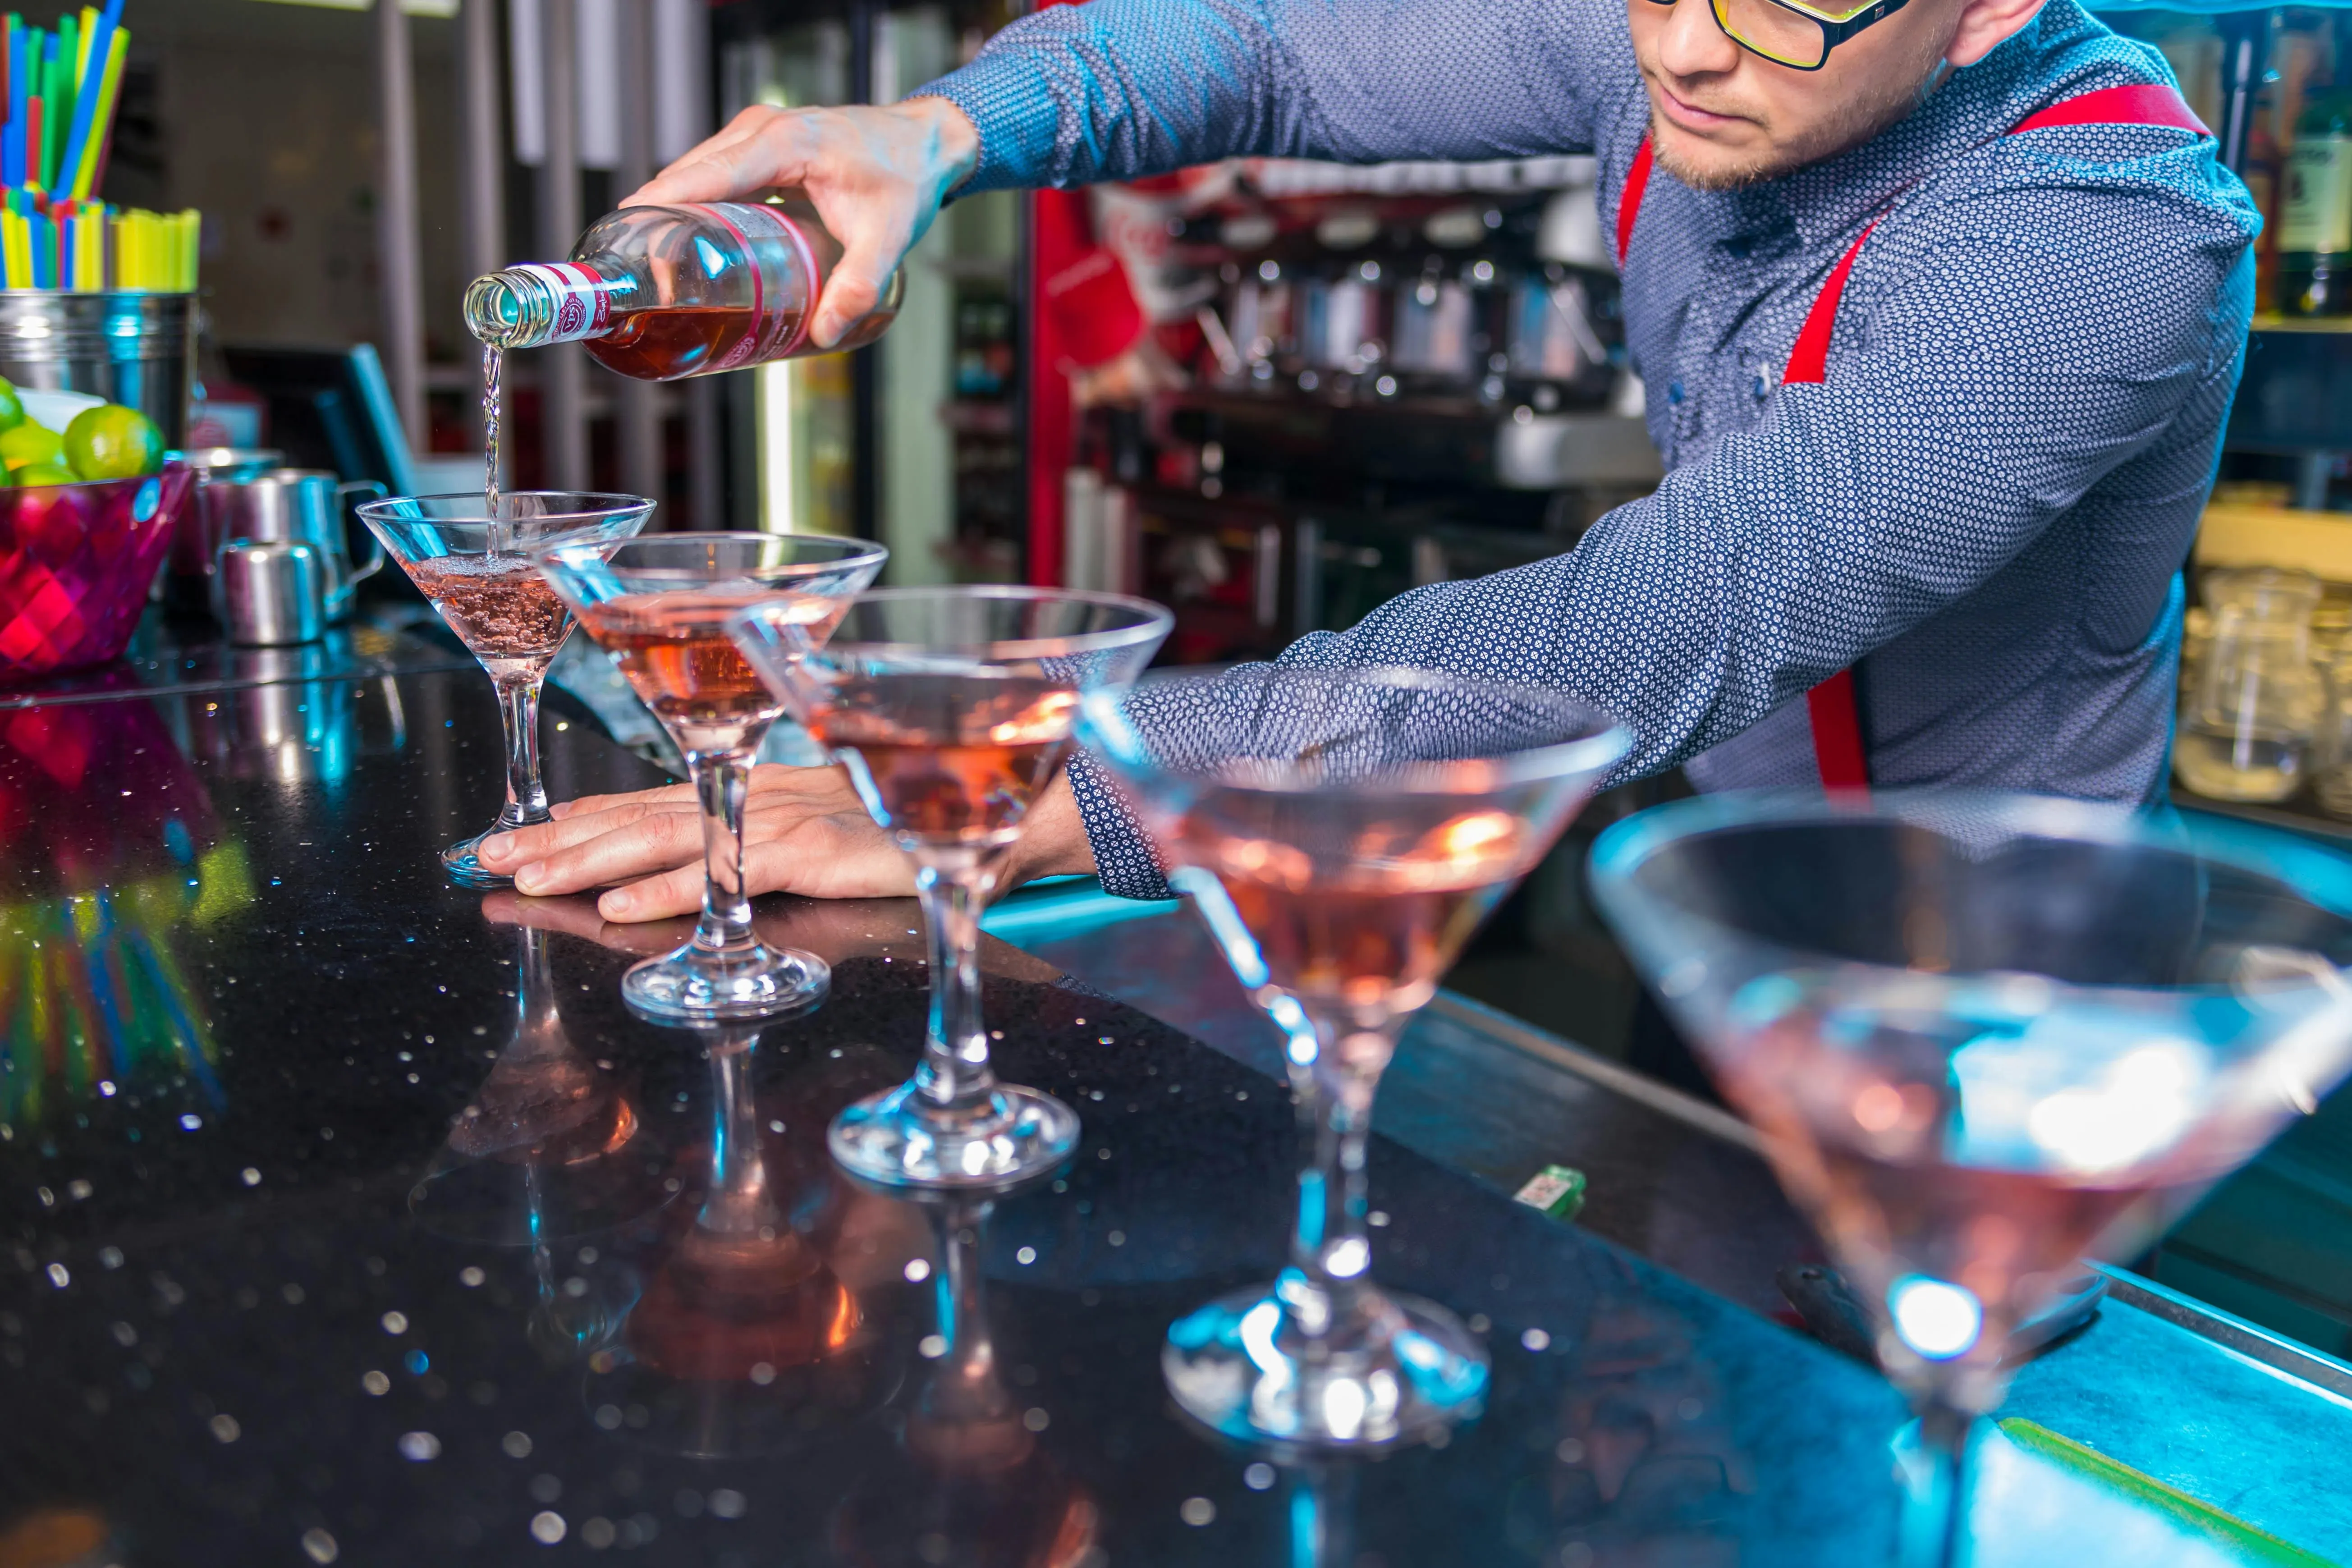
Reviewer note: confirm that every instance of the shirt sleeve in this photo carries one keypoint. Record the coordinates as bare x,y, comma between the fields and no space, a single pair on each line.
1993,377
1115,89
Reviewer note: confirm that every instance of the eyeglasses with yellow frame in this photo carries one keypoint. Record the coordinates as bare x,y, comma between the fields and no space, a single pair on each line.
1796,35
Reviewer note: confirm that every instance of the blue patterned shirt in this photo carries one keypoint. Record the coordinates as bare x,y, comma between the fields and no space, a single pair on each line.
1984,508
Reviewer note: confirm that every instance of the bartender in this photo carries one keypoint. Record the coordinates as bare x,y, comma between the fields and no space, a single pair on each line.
1939,306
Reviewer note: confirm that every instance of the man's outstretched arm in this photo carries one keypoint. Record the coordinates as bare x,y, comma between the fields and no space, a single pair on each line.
1117,89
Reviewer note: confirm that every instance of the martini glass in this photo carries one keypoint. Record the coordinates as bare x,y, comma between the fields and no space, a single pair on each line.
1342,833
660,608
1982,1035
477,572
952,709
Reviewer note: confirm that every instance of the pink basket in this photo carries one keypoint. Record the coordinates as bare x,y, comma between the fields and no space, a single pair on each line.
76,561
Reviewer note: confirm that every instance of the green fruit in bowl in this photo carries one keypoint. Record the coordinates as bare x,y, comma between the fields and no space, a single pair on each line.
33,474
112,442
30,443
12,407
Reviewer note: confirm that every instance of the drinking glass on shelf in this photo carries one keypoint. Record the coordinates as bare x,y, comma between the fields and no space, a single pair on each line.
2247,729
477,571
1342,833
953,708
1985,1036
660,608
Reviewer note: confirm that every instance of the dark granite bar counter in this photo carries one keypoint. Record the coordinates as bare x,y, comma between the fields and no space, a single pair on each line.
276,1287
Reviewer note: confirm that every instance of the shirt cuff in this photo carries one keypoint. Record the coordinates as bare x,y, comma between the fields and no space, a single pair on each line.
1005,96
1125,857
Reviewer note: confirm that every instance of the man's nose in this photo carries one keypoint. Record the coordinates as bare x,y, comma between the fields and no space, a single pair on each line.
1693,45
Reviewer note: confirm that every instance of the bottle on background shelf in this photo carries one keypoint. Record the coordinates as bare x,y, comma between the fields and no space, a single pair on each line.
661,293
2315,235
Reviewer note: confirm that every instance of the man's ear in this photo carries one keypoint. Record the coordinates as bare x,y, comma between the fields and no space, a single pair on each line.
1983,25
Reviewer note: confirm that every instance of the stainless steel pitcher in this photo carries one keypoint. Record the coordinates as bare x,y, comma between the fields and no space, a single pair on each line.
298,505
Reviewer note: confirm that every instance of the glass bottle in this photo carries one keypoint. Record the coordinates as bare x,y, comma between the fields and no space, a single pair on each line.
2315,240
2246,733
660,293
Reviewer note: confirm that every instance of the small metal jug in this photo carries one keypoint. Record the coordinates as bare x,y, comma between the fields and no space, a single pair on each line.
293,505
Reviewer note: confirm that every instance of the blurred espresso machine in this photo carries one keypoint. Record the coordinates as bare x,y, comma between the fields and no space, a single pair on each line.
1357,381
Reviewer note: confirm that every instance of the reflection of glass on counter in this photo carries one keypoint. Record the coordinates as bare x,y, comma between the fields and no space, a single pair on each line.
746,1340
118,849
550,1145
989,1493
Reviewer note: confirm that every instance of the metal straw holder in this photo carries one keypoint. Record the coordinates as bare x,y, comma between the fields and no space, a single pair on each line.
128,346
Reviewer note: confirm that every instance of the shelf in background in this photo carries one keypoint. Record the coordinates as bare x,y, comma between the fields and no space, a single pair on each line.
2297,392
1443,437
2323,324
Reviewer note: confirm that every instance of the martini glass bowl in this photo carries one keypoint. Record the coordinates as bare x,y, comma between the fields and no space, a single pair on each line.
660,608
1982,1035
477,571
953,708
1342,833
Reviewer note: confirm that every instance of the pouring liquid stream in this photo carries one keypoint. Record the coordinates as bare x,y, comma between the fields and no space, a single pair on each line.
493,367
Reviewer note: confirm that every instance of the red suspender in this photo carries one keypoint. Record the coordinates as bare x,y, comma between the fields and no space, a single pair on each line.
1809,359
1838,748
1629,201
2143,103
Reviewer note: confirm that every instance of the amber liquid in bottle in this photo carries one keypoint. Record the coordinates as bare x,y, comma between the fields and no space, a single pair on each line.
667,341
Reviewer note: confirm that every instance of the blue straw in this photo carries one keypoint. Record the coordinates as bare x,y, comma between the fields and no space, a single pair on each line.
12,145
101,44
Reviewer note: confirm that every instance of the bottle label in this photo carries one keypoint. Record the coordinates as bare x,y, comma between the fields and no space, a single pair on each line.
2318,215
583,301
775,333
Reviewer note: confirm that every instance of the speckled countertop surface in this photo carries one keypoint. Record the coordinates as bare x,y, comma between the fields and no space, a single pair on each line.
267,1296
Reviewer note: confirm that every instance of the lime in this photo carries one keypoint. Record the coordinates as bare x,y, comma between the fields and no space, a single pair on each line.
12,407
33,474
112,442
31,443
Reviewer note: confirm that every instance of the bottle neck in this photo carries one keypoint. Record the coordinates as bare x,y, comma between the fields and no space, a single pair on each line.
528,307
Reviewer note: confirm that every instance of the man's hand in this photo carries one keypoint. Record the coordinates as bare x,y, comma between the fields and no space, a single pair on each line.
876,176
804,831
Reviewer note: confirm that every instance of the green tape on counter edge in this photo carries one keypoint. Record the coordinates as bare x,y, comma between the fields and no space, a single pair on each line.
2256,1545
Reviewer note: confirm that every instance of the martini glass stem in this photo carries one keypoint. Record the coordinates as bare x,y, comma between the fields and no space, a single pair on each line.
722,781
525,796
1331,1251
1934,1472
955,1074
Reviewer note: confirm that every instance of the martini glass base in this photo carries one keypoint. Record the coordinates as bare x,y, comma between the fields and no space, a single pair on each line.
698,985
1411,1369
460,860
897,1139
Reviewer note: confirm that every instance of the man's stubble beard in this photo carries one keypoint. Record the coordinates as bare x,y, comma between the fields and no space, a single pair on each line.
1857,122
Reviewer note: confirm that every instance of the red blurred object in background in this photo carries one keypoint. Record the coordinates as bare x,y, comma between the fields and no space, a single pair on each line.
76,561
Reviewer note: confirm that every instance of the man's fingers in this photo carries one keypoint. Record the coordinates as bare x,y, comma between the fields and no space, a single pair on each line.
674,892
819,856
655,842
575,826
667,794
745,158
851,294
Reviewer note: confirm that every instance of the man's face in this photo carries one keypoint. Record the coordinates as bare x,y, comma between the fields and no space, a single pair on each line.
1721,116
